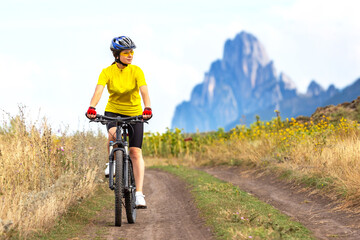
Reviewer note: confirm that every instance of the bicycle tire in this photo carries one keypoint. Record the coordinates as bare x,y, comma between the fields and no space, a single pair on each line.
130,206
119,187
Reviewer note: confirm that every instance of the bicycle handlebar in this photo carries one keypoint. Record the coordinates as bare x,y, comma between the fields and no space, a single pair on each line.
105,119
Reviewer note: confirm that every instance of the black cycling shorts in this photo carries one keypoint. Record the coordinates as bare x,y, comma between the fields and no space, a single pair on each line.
136,131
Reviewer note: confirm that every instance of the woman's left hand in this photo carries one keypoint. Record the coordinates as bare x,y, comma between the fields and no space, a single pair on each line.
147,113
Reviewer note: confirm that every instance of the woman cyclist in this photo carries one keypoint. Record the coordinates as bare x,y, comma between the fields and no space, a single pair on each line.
123,82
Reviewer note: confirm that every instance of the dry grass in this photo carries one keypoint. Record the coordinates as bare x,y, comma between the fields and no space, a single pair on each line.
42,174
337,160
326,154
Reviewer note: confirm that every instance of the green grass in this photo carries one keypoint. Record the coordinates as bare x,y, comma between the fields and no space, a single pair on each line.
234,214
311,181
78,217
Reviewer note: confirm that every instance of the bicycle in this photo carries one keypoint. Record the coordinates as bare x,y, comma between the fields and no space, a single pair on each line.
124,184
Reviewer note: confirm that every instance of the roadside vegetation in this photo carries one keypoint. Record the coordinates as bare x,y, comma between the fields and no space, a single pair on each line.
234,214
76,220
322,152
43,172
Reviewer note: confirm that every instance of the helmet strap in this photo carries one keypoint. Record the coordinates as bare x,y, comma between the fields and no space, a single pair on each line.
118,61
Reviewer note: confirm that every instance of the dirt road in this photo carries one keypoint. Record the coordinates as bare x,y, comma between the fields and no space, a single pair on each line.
315,212
170,215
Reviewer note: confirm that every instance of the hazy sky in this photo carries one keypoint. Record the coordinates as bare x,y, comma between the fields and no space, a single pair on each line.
52,52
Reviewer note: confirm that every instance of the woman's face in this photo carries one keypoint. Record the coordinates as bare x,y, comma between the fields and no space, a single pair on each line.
126,56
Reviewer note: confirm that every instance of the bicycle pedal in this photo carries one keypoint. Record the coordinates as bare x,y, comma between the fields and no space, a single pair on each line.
141,207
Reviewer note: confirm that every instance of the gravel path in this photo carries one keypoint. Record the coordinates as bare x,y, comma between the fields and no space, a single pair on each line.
171,214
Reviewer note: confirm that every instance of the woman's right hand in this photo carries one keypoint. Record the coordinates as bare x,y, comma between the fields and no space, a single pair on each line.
91,112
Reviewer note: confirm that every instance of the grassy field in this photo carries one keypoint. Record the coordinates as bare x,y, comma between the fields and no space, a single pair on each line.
324,154
42,173
234,214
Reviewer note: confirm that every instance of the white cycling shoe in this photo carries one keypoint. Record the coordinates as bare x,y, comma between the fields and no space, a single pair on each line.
107,169
140,200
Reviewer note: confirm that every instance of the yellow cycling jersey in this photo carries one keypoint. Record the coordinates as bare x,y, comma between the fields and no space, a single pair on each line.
123,86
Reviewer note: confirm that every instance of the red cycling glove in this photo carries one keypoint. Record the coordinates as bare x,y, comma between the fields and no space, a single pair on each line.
91,111
147,111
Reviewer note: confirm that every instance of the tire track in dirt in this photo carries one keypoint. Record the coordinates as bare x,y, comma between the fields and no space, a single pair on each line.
171,214
313,211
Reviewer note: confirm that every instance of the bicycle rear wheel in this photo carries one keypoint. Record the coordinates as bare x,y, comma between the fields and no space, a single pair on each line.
119,186
130,196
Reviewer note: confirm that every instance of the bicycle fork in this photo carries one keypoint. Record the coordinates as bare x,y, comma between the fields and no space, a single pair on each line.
111,165
126,164
126,169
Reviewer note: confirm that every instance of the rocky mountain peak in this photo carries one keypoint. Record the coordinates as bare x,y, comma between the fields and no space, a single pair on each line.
287,82
314,89
244,83
245,46
332,90
245,55
287,87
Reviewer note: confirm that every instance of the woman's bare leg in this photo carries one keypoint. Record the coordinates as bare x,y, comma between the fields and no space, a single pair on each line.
138,166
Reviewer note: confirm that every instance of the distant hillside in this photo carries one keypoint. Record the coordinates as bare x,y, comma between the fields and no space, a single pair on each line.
244,83
346,95
348,110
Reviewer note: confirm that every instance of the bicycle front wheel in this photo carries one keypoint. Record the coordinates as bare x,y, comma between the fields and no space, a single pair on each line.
119,186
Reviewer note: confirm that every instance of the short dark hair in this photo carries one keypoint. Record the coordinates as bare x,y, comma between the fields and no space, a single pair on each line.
116,53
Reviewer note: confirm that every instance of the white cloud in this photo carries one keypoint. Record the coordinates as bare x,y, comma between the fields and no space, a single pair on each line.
17,82
314,40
